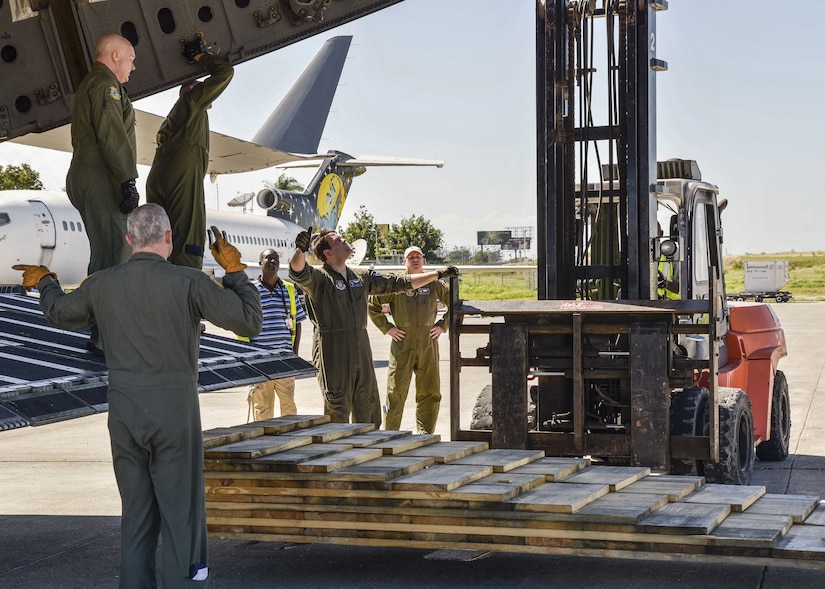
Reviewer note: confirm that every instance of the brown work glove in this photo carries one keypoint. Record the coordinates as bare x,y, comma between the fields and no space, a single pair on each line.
33,274
226,254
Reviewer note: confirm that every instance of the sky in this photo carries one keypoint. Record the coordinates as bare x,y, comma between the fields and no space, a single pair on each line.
455,80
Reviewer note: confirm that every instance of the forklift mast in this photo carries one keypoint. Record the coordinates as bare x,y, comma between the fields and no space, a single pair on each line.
596,111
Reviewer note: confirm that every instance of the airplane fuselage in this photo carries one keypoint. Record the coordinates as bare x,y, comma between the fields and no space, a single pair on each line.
43,228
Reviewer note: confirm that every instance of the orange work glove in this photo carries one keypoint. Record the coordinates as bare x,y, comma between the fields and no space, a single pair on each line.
226,254
33,274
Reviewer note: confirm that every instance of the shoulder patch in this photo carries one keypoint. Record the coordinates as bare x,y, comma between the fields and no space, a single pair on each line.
114,92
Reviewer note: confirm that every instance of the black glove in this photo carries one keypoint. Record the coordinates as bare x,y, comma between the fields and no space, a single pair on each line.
129,202
661,282
303,239
194,47
448,272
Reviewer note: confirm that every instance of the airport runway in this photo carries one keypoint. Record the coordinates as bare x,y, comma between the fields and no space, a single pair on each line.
59,506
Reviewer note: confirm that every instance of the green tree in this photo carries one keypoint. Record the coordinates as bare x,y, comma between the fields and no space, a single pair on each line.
416,231
285,182
19,178
363,227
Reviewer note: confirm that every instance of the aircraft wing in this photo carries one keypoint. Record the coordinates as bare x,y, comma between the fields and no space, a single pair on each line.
47,51
363,161
227,155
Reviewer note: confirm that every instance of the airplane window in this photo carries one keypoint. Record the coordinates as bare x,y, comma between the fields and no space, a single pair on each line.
71,224
80,227
65,226
4,219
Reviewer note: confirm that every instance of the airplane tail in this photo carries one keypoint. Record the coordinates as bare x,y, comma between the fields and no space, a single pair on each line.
296,124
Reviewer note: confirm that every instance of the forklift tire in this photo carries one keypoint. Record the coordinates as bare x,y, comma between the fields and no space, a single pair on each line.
736,449
688,417
776,448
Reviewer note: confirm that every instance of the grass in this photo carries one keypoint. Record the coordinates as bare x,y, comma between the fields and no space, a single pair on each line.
807,283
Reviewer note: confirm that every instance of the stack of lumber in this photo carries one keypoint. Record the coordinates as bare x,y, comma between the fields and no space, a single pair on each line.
302,479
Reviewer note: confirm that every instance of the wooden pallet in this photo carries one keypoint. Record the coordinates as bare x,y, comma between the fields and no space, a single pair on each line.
303,479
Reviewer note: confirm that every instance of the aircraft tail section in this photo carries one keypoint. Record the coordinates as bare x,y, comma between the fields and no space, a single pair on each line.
321,203
296,124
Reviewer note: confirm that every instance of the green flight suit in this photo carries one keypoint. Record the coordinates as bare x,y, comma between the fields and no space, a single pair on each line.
414,312
149,312
181,161
337,306
104,156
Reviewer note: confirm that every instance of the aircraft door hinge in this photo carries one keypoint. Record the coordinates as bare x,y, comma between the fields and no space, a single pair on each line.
274,16
49,95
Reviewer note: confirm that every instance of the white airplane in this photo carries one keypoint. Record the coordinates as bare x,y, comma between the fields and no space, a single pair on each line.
42,227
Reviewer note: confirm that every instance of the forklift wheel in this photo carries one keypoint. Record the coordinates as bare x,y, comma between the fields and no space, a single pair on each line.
736,450
688,417
776,448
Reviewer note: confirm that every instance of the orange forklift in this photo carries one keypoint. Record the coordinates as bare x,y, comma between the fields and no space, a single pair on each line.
632,353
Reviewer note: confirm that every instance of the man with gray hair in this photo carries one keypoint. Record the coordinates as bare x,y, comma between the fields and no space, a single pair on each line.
149,312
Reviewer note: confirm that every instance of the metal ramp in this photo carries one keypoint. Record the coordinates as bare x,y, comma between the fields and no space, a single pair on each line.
46,374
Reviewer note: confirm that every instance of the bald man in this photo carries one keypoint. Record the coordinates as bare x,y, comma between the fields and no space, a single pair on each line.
101,178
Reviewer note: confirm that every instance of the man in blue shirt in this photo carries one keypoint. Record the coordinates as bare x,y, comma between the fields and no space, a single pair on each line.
283,313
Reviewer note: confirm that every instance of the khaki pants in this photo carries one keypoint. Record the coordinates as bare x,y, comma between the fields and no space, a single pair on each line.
261,398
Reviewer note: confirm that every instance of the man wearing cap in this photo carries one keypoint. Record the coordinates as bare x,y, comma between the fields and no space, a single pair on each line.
336,299
175,181
414,347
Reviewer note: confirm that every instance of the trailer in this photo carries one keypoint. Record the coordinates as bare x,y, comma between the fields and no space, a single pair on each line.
764,280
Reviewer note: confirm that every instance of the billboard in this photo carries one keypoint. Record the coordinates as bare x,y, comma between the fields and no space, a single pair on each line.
493,237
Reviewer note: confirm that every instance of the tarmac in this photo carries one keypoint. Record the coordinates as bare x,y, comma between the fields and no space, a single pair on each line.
59,504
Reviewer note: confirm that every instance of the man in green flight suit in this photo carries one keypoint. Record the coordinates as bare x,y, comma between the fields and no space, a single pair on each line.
336,299
414,346
101,178
149,314
175,181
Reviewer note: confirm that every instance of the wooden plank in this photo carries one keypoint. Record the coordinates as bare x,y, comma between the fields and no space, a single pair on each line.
498,487
685,518
508,359
817,518
802,541
337,460
754,530
559,497
739,497
502,460
226,435
288,423
372,438
617,477
382,469
448,451
553,469
441,477
798,507
335,431
627,508
257,447
405,443
290,458
675,487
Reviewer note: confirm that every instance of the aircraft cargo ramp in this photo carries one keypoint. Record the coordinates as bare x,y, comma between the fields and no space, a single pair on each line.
301,479
46,374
